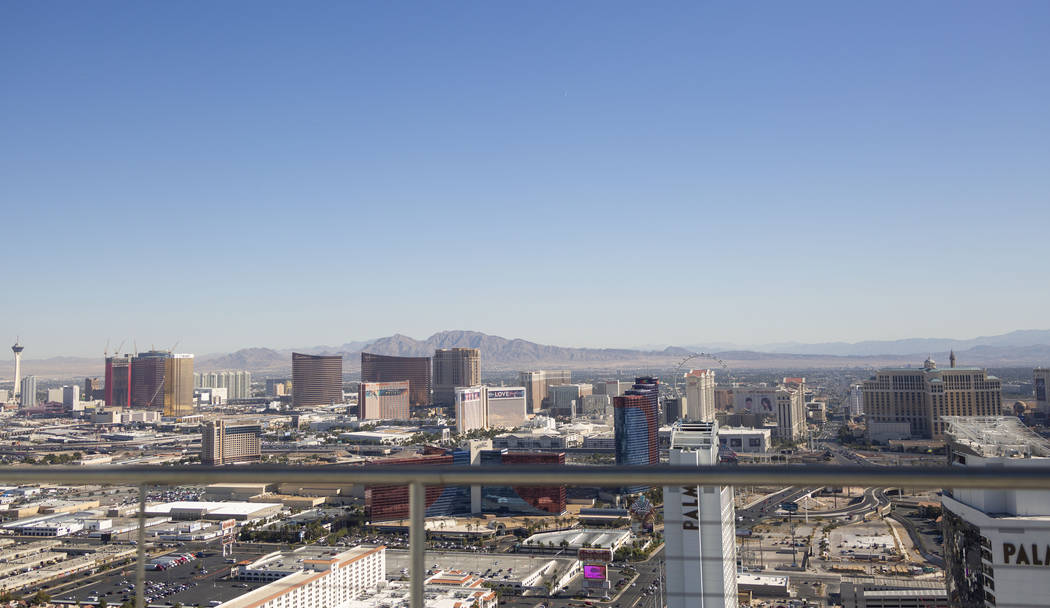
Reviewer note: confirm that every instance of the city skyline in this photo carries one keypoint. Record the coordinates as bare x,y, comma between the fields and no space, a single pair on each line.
525,304
891,347
830,170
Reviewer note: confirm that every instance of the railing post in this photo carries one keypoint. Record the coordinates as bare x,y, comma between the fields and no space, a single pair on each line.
417,539
140,562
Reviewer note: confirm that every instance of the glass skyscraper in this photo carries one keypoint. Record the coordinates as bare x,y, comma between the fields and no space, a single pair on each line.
637,423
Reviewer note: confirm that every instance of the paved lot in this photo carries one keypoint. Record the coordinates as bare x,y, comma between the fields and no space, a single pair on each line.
166,586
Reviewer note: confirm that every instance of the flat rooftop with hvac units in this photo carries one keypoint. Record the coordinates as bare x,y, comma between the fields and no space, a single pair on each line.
239,511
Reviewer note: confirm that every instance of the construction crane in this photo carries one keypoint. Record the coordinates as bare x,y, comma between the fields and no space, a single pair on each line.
155,393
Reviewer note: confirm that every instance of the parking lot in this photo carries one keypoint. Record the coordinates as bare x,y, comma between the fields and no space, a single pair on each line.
196,583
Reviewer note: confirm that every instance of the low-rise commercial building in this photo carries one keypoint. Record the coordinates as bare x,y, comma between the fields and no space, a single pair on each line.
537,439
240,511
745,440
882,592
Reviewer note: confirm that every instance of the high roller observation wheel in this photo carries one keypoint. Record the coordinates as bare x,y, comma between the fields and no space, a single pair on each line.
678,370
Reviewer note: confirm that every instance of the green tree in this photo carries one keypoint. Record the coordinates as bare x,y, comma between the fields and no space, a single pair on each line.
102,603
39,598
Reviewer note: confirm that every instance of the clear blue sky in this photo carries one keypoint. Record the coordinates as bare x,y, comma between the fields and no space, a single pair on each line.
235,174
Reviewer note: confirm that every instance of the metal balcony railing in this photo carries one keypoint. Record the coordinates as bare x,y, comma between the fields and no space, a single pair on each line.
417,478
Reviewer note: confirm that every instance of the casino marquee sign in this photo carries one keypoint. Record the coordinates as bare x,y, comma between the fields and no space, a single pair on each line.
1021,554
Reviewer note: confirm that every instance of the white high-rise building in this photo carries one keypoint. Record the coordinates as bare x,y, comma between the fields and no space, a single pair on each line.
700,395
700,527
70,395
238,384
856,400
27,394
471,412
996,542
54,395
1041,376
566,398
612,388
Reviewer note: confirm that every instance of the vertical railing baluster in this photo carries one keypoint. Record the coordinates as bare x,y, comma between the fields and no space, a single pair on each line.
140,562
417,539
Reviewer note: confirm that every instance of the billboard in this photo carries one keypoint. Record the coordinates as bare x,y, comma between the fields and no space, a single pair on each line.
507,394
594,555
755,402
594,572
470,395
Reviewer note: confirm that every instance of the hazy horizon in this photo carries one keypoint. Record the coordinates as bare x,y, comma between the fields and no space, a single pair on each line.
129,346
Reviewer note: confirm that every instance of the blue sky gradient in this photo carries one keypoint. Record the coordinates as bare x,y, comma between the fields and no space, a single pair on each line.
241,174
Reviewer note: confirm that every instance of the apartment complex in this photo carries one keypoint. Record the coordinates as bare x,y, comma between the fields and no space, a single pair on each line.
384,368
996,542
455,367
700,395
238,383
537,383
700,526
383,400
222,444
902,403
316,379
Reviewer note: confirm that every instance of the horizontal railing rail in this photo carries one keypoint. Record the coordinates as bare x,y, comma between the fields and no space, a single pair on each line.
417,478
1027,478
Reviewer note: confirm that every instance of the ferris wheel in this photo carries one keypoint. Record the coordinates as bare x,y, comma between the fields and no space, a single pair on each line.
678,370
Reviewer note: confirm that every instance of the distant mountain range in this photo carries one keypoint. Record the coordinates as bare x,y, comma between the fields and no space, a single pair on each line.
1019,338
1019,348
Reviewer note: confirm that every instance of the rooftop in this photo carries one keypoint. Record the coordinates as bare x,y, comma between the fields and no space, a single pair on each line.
610,539
996,436
310,558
